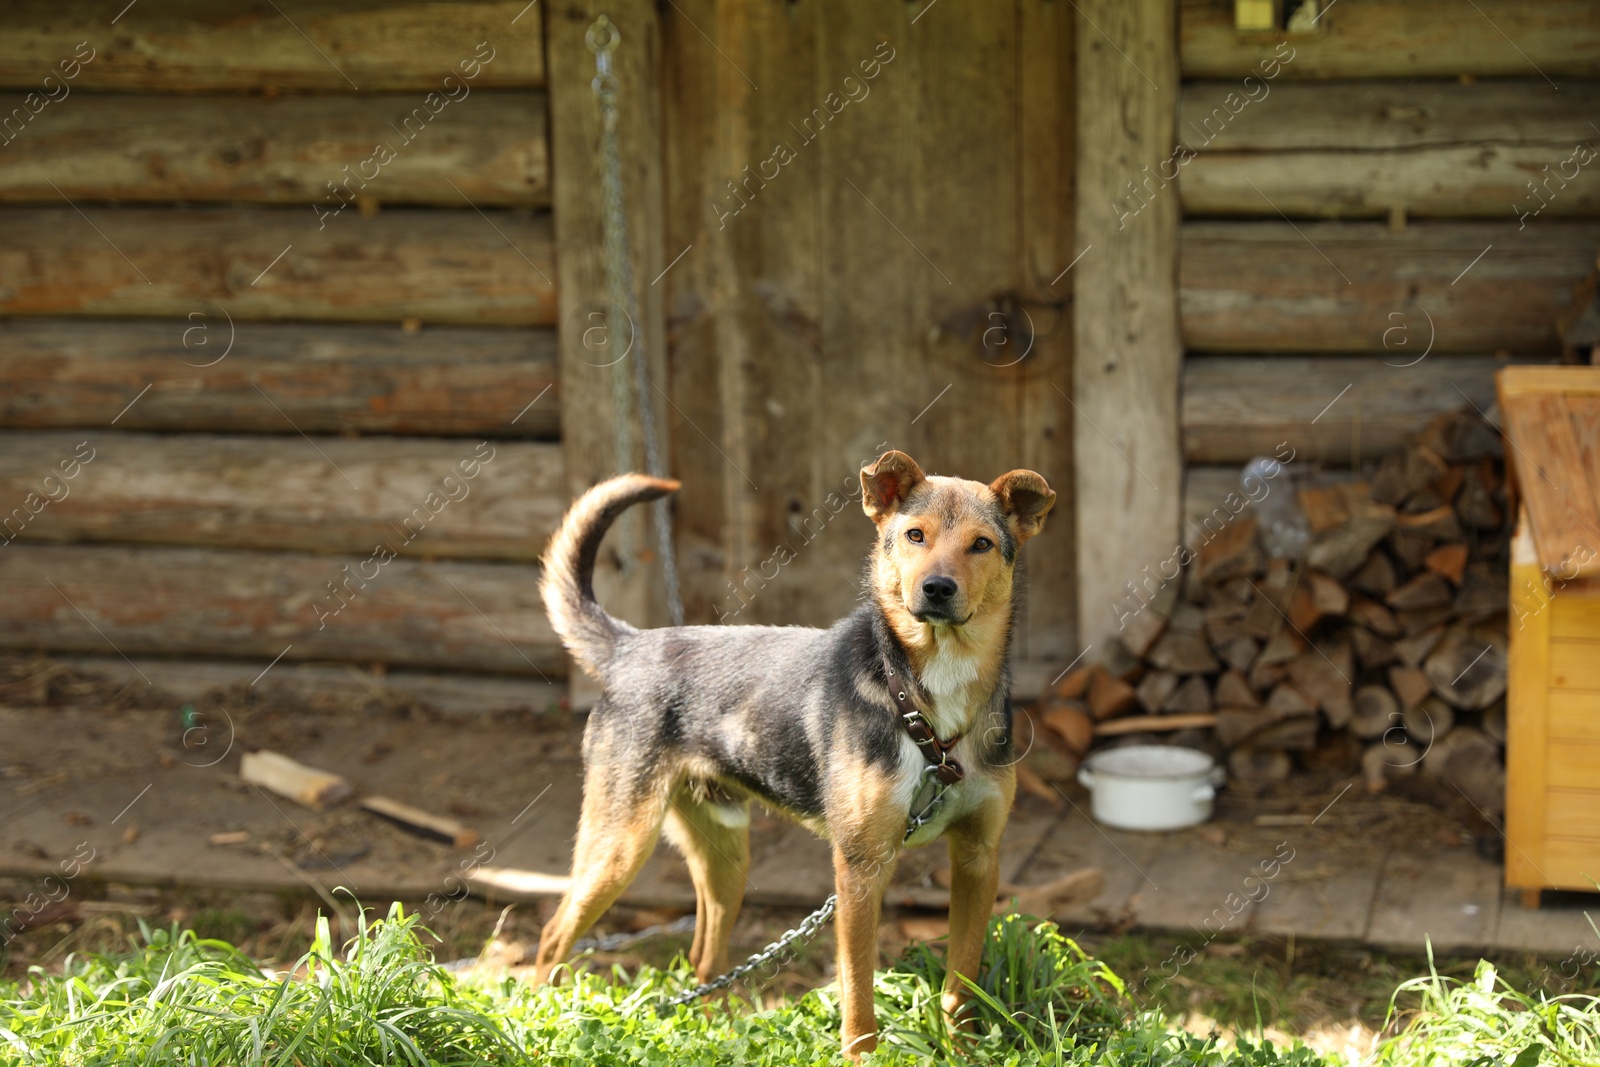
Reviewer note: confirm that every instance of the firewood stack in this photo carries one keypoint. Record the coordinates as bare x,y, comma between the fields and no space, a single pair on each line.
1383,649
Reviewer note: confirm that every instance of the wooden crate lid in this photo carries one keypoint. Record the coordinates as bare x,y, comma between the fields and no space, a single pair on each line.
1551,416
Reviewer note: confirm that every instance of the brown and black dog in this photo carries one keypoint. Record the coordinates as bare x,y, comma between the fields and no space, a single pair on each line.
694,722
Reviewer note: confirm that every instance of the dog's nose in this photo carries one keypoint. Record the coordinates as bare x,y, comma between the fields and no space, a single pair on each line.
939,590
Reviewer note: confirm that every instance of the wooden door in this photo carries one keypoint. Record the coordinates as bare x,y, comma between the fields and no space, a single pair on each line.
873,206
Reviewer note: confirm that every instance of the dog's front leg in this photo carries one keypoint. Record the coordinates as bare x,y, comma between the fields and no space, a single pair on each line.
974,882
859,878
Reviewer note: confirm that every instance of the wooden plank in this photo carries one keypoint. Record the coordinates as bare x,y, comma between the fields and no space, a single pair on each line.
206,373
1126,379
258,605
1556,468
1574,813
1576,765
1238,407
1527,708
1572,716
1420,38
435,266
432,498
1333,286
1575,664
1573,863
334,687
628,574
287,150
1576,611
236,45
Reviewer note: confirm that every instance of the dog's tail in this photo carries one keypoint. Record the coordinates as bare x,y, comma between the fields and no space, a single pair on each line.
567,585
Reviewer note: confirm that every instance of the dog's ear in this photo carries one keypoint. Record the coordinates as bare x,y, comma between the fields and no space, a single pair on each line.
887,482
1026,498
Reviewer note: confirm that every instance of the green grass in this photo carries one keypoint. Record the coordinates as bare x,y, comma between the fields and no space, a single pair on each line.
178,998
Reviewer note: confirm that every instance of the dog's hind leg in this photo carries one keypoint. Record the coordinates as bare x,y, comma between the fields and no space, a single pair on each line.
974,882
617,831
714,837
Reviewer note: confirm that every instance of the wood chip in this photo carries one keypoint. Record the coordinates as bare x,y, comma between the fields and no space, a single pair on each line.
314,788
420,822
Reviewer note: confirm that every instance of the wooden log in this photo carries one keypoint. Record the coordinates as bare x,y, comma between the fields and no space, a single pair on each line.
1138,724
316,789
1331,286
1237,407
1376,711
433,266
1110,695
1124,305
1383,763
1259,766
1192,697
1468,668
438,499
330,378
1469,760
424,823
287,150
233,45
1071,724
258,605
1418,39
1363,149
1155,688
1428,721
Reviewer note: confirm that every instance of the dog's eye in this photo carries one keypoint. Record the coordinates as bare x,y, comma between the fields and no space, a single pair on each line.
914,536
982,544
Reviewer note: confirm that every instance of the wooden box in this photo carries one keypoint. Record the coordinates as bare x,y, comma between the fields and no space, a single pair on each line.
1551,417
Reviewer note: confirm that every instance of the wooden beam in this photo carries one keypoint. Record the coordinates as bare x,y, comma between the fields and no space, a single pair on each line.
189,602
1493,149
286,150
1557,39
274,263
440,499
1128,353
628,574
442,381
1332,409
1334,287
334,687
236,45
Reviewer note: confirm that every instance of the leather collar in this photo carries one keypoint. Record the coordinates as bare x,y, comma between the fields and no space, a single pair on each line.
902,690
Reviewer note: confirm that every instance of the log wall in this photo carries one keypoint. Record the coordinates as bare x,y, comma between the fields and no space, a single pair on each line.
1377,214
277,288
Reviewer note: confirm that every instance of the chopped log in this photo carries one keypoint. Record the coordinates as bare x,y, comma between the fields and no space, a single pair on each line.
1450,482
423,823
235,46
1138,724
1141,630
1420,620
1439,523
1376,710
328,378
1335,753
331,495
1484,591
1154,689
1071,724
1428,721
1476,505
1382,763
1029,781
1418,39
1426,590
1286,700
1468,669
382,269
1341,551
314,788
1406,471
1375,617
1470,760
1324,678
1229,553
1410,548
1075,683
1448,561
1184,653
1285,645
1327,595
1236,407
1263,287
1373,651
1239,653
1258,766
1462,436
1376,576
1414,648
1266,675
257,149
1324,507
259,605
1227,624
1191,697
1410,685
1233,691
1303,610
1493,721
1110,695
1298,733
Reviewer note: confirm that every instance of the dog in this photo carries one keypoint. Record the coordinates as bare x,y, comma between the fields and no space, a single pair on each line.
695,722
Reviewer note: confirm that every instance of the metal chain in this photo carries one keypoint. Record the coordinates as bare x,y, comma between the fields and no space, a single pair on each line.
603,39
810,925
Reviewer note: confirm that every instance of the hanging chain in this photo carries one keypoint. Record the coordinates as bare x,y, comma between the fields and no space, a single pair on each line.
811,924
603,39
